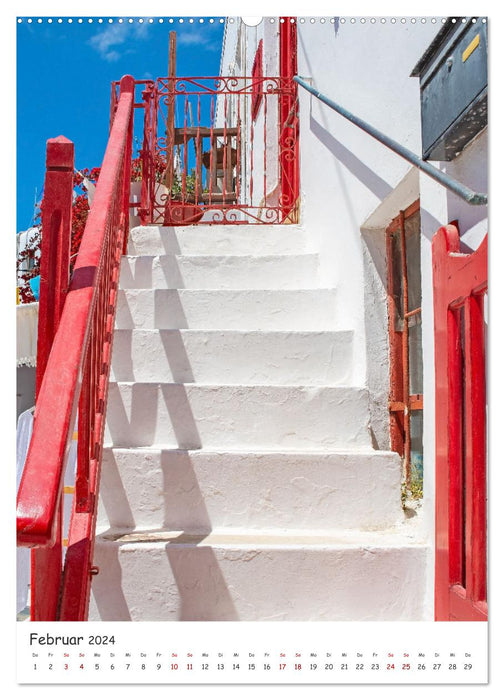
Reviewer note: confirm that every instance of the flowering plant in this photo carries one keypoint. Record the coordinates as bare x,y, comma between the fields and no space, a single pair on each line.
80,209
158,164
28,259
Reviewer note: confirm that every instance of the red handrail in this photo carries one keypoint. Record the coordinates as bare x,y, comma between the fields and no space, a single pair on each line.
76,382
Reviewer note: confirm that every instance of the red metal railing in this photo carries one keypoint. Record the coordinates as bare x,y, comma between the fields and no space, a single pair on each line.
219,150
460,286
75,372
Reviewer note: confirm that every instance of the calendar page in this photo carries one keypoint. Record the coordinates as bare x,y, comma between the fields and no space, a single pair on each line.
252,343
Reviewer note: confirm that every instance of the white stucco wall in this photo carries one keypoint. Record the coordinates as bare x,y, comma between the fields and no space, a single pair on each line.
345,174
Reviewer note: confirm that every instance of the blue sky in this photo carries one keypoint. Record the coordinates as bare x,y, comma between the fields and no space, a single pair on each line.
64,72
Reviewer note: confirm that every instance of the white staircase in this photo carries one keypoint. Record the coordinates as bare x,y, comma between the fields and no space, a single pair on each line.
239,480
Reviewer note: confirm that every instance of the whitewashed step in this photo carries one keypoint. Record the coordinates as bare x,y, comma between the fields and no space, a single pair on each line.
249,576
289,310
199,491
219,272
233,357
217,240
192,416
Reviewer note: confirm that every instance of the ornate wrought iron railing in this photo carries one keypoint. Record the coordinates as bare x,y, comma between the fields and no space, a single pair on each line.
217,150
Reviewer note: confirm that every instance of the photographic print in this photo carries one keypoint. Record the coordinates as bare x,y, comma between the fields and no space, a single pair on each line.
251,349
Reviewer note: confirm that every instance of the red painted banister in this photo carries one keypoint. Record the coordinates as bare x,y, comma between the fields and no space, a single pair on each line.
76,381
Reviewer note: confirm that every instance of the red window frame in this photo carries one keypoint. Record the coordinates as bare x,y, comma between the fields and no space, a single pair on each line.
401,402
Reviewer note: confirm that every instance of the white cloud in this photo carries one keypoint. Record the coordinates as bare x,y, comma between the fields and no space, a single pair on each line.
106,42
191,39
203,37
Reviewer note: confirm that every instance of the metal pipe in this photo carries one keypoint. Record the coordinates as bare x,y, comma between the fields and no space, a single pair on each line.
468,195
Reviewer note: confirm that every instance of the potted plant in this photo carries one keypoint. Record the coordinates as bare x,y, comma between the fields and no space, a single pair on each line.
172,207
181,206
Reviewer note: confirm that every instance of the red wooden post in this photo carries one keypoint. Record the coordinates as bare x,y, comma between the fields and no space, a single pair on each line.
54,278
55,254
288,126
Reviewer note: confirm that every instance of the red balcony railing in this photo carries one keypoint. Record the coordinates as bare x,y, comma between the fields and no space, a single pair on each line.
218,150
74,354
